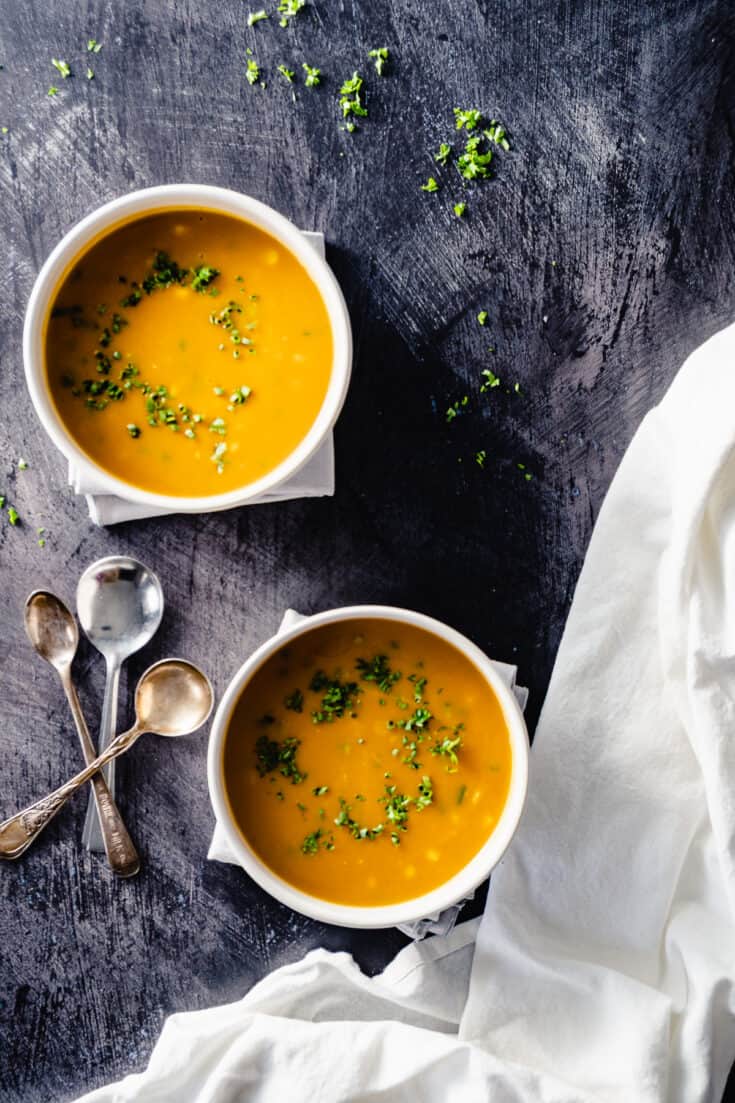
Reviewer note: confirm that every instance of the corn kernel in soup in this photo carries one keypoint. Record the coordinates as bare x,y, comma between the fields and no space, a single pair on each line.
188,352
367,762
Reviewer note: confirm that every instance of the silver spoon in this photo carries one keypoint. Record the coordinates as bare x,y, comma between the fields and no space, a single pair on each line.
172,698
52,630
120,605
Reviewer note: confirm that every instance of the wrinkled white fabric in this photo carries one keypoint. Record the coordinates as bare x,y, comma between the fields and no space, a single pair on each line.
603,968
314,480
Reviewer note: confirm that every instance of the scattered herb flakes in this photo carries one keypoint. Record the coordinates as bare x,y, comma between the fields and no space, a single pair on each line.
447,748
272,755
337,697
287,9
13,516
517,388
90,73
294,701
467,119
350,100
482,317
313,76
474,163
444,154
287,74
62,67
480,457
312,842
53,90
456,408
4,129
256,16
430,185
380,57
133,430
378,670
93,46
490,380
204,276
459,209
22,465
252,71
320,790
497,134
526,474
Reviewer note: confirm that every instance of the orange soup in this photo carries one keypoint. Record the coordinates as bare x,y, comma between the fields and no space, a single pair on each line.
367,762
188,352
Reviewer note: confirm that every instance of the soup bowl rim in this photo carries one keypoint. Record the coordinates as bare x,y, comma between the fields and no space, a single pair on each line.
461,884
139,203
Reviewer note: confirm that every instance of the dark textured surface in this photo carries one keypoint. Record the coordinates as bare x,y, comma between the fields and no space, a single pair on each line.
622,119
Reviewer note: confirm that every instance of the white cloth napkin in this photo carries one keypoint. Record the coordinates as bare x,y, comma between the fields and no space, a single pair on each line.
604,965
314,480
439,922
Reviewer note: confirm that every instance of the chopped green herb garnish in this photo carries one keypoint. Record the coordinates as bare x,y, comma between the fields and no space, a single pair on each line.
496,133
459,209
313,76
256,16
491,380
480,457
320,790
526,474
430,185
90,73
448,748
467,119
380,57
474,163
455,409
287,74
204,276
133,430
252,72
337,697
482,317
62,66
13,515
287,9
426,794
294,701
417,722
22,465
350,99
272,755
317,838
377,670
444,153
93,46
53,90
344,819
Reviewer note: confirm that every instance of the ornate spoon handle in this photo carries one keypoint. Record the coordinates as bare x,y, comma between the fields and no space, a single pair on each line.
119,847
22,829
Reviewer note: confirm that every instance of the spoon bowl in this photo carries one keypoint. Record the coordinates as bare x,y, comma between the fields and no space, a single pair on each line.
120,605
173,698
51,628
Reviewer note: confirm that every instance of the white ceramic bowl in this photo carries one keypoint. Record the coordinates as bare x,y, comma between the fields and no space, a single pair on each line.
147,202
458,886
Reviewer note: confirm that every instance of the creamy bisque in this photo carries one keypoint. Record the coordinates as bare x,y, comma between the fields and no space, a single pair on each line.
188,352
367,762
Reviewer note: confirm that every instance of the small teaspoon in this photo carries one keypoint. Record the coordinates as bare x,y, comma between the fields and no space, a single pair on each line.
172,698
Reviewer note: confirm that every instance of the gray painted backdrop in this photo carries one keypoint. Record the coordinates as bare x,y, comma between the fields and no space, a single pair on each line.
603,252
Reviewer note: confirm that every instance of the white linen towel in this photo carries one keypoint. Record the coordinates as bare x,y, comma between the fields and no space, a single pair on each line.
438,923
604,968
314,480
